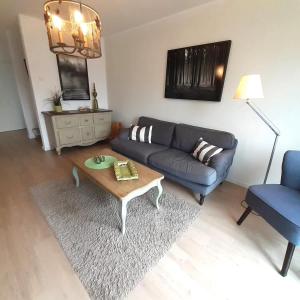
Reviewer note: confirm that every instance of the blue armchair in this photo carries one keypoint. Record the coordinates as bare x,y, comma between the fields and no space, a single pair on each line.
279,204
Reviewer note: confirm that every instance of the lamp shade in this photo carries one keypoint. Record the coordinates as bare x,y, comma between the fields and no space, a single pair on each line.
250,87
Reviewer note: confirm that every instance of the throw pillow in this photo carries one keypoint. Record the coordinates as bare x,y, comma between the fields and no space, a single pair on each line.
140,134
204,151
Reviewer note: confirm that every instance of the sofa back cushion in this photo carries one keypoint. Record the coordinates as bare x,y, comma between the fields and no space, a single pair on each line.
162,131
186,137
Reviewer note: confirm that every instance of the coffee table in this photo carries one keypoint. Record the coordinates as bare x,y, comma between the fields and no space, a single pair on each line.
124,191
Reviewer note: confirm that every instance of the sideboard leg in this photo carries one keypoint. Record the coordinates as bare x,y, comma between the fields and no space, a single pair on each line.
58,150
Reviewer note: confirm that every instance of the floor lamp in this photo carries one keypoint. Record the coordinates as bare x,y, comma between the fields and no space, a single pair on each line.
250,87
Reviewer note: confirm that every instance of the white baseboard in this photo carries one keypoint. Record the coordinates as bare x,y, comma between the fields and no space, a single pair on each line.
242,184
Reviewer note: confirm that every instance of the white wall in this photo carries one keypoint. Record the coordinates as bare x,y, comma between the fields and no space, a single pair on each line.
22,79
265,40
43,71
11,117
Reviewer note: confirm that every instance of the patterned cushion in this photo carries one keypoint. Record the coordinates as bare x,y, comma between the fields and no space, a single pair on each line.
140,134
204,151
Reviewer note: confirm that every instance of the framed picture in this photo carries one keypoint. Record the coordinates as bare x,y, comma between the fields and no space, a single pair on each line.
73,76
197,72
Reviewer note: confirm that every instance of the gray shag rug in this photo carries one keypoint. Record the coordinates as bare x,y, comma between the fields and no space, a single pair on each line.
87,224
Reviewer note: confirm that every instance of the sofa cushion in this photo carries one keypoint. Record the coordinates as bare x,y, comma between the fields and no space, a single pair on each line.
135,150
186,137
162,132
184,166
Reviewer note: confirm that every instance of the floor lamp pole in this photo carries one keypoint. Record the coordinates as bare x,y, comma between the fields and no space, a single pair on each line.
272,127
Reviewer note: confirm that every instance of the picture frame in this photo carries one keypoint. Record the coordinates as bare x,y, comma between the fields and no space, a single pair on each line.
73,76
197,72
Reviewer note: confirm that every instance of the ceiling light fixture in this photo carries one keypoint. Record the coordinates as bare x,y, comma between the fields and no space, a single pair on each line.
73,28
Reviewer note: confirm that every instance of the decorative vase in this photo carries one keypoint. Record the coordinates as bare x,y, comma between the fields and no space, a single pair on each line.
57,108
95,105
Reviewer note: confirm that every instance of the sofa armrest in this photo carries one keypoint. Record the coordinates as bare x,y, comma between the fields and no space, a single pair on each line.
222,162
124,134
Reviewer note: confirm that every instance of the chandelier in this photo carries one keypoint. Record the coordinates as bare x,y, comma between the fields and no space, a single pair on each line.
73,28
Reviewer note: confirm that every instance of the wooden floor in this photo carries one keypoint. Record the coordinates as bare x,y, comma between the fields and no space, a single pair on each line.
214,259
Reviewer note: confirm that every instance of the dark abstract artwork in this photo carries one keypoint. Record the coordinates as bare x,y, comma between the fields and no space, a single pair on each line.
73,77
197,72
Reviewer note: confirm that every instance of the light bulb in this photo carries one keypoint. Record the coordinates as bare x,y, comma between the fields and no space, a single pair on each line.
84,28
57,22
78,17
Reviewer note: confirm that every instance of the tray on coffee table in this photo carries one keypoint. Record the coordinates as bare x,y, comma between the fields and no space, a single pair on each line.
125,170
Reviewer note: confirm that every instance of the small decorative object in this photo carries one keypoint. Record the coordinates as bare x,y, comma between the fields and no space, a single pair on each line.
99,159
56,101
100,162
73,75
250,87
73,28
197,72
95,105
125,170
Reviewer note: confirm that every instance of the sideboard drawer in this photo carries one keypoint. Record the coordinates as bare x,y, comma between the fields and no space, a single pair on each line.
102,131
66,121
69,136
87,133
101,118
86,120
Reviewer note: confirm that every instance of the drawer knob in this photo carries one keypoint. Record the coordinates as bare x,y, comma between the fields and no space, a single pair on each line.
70,136
87,133
67,122
86,120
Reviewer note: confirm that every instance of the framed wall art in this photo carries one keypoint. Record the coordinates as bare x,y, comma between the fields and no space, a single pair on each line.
197,72
73,76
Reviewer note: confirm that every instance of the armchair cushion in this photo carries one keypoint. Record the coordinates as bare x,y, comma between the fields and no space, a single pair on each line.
279,206
291,170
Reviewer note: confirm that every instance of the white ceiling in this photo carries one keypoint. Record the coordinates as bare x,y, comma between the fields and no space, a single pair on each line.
117,15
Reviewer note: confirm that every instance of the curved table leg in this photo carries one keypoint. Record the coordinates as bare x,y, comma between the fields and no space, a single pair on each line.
123,215
160,190
75,174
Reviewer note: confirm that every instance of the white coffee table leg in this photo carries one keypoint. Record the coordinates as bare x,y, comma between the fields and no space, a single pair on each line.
160,190
123,215
75,174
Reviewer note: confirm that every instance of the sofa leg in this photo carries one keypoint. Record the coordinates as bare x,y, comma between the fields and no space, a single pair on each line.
287,259
244,215
200,198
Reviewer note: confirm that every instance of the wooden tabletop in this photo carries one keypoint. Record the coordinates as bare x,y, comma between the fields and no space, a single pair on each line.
74,112
106,178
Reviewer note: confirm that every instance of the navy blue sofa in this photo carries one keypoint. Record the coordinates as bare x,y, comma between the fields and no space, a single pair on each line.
170,154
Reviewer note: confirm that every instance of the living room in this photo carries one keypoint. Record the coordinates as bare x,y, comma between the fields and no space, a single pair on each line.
149,149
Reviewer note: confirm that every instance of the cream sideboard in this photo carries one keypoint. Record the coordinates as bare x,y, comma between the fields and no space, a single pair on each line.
75,128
